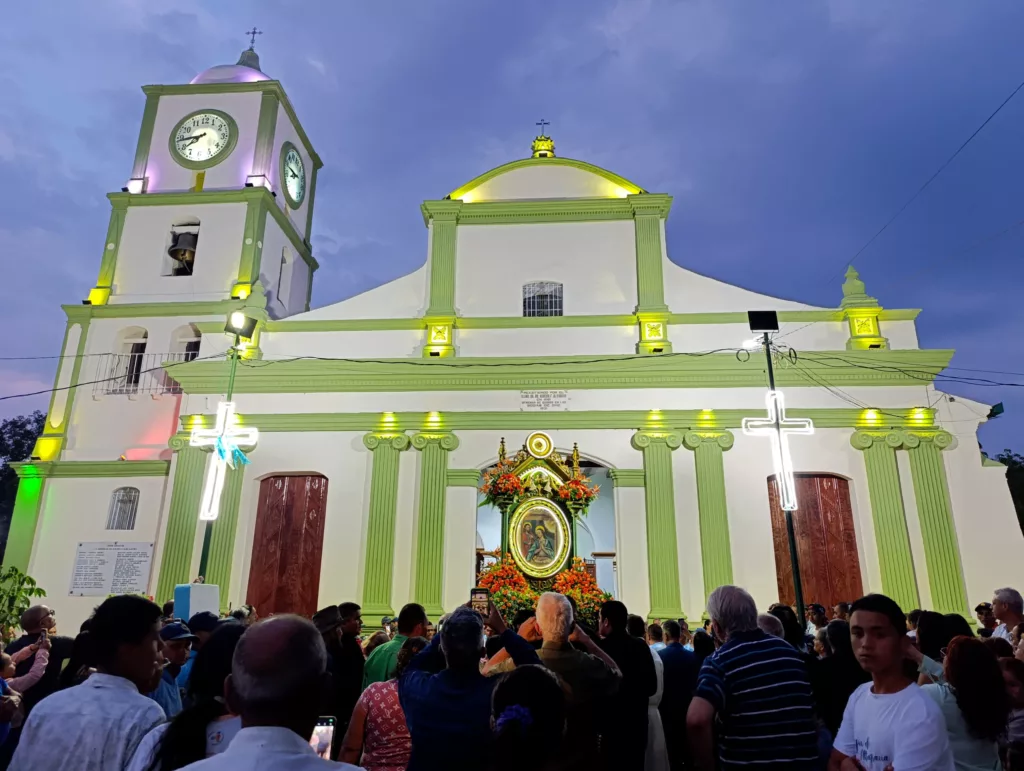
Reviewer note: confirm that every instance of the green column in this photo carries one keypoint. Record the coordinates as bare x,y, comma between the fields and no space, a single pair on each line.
648,211
182,518
889,516
444,217
222,536
934,510
25,517
428,580
378,572
659,496
713,513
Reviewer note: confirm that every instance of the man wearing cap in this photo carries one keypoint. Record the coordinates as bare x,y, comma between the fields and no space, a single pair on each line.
340,625
986,619
201,625
177,642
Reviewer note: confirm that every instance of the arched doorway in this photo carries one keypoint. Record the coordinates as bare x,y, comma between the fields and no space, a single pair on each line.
287,547
825,539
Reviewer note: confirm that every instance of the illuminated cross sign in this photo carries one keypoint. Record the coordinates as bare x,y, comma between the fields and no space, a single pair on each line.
777,427
226,440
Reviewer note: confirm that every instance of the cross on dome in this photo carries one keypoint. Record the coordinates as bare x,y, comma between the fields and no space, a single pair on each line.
543,145
252,36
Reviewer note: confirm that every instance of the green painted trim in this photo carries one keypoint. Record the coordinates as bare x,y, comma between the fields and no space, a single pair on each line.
111,246
145,136
627,477
222,537
239,195
464,477
92,468
265,86
24,520
209,162
543,322
529,211
266,127
524,163
379,554
935,511
442,260
650,283
182,521
497,373
76,369
660,506
309,206
895,559
712,509
293,203
344,325
428,568
988,462
254,232
676,420
151,310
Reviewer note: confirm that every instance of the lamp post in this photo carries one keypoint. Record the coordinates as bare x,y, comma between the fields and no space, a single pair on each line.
224,438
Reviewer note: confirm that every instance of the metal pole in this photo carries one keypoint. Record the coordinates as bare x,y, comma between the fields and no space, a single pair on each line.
798,588
204,555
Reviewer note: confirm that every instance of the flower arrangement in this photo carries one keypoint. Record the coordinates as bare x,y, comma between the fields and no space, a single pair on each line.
501,486
509,589
576,582
578,491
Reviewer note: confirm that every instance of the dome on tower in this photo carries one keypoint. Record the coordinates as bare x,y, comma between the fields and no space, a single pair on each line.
247,70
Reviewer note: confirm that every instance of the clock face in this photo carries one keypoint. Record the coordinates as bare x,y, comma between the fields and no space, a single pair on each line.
202,137
294,175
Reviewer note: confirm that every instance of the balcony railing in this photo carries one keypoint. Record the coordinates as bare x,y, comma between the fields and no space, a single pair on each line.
131,374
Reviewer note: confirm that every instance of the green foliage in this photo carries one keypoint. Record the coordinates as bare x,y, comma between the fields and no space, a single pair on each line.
1014,463
17,590
17,438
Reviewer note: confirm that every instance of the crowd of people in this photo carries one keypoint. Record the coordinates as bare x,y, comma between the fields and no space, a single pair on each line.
869,689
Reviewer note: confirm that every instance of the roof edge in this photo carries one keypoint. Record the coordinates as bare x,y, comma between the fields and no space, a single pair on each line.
522,163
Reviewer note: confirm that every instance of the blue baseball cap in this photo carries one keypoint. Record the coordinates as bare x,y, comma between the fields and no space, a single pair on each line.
176,631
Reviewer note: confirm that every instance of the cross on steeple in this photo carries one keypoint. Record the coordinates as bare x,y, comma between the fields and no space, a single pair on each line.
542,123
252,35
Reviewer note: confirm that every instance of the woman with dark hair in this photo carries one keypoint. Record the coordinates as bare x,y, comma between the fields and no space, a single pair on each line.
836,676
957,626
931,634
377,732
378,638
205,728
795,634
528,720
703,646
974,703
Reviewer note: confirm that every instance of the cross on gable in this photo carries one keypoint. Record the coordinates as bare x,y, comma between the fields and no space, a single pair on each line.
778,427
226,440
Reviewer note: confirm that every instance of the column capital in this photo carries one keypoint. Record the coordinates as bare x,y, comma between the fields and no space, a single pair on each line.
178,441
694,439
901,439
446,440
373,440
643,439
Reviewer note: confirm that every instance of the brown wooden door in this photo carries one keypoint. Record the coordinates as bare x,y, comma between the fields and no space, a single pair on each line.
825,539
287,548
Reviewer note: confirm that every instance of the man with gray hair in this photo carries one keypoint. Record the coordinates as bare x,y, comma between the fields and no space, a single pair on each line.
278,679
770,624
757,686
1008,608
448,708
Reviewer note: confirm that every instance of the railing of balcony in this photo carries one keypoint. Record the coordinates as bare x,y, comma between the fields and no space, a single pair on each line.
131,374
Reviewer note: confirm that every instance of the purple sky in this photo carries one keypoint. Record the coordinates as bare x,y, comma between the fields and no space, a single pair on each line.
787,132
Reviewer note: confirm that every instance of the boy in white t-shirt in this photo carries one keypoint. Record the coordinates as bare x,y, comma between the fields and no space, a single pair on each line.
889,723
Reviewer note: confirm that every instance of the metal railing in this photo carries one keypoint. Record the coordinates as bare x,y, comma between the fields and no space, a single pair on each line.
131,374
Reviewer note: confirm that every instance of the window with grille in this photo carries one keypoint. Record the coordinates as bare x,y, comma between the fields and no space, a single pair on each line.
124,504
542,298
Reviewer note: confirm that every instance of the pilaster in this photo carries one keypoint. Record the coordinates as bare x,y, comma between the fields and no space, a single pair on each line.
378,572
443,222
428,580
222,536
25,517
263,153
182,517
100,293
662,552
713,512
888,514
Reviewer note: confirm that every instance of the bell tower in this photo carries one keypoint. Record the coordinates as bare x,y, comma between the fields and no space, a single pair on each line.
220,196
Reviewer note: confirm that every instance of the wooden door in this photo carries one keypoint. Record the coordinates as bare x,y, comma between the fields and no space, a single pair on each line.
287,549
825,539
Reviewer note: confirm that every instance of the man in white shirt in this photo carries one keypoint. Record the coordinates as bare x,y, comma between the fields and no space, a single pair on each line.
889,722
1008,608
278,680
96,726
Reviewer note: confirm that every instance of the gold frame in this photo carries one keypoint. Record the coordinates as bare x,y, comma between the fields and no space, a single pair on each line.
566,535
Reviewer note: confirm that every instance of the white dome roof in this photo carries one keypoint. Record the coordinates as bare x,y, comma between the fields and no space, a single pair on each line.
247,70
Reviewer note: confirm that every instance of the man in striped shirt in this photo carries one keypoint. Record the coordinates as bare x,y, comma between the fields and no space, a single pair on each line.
757,686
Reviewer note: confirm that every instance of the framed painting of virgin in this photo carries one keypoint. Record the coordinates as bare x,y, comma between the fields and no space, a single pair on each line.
539,538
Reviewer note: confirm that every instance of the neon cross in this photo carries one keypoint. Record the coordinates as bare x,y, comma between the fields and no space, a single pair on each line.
778,427
226,440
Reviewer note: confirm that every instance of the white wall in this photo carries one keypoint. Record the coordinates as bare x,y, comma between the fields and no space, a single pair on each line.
144,241
545,182
165,175
568,341
594,261
690,292
285,296
403,298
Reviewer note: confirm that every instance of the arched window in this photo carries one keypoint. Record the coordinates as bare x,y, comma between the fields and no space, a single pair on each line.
180,256
124,504
185,343
130,361
542,298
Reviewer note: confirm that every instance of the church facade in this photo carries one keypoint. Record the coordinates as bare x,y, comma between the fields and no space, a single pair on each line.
547,303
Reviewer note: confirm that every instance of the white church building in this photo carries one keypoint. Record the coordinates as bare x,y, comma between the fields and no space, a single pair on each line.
547,302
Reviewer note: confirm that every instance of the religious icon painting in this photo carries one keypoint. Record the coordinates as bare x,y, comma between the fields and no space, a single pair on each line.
539,538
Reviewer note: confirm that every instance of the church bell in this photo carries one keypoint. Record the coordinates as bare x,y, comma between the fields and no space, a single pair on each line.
183,252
